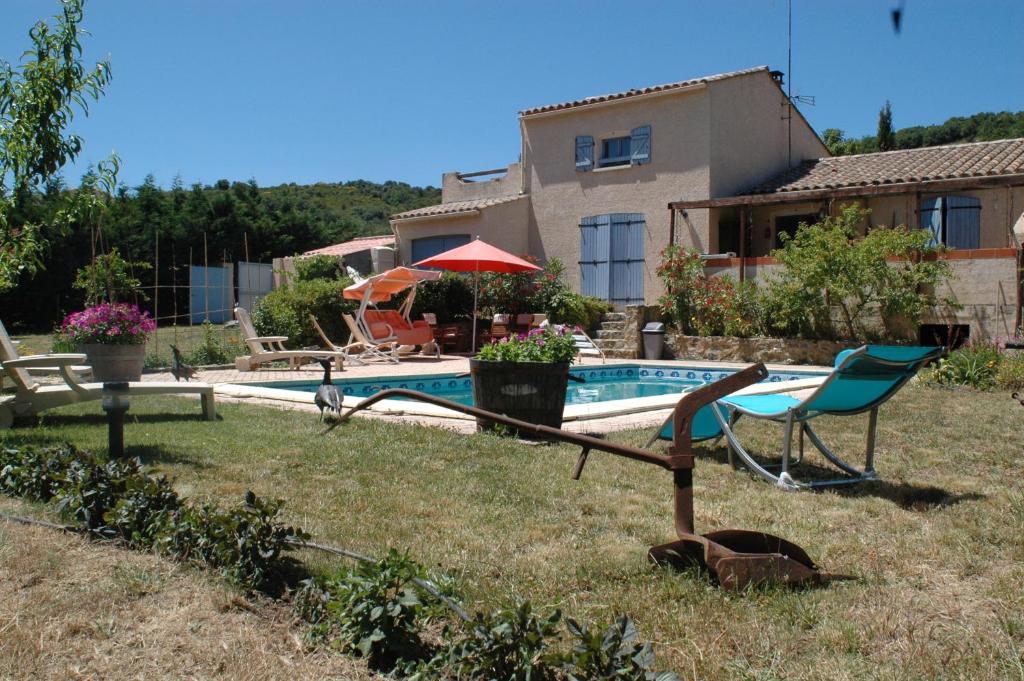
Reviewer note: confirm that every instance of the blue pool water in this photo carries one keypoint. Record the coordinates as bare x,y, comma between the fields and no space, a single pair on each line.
603,384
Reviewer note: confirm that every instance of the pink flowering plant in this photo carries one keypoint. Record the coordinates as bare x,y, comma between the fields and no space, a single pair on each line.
108,324
549,344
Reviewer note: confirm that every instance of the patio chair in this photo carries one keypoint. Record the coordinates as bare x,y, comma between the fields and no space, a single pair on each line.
31,397
448,337
862,380
385,349
331,345
501,327
266,349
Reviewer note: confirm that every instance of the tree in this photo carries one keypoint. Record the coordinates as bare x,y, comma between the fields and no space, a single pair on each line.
38,101
886,137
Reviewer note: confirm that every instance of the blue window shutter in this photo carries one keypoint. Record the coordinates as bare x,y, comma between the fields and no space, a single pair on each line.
931,218
963,222
640,145
627,258
594,245
584,153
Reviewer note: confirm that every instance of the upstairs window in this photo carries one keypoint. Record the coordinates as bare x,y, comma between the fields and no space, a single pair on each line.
614,152
953,220
634,149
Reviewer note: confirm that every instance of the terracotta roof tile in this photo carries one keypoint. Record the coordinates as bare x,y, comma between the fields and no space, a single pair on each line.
954,161
358,244
641,91
456,207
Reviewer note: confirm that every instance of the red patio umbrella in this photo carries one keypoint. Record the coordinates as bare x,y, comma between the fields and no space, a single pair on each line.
477,256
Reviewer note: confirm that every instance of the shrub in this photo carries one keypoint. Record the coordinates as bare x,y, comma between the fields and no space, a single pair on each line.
791,311
826,264
374,611
975,364
572,309
35,474
511,643
450,298
702,305
213,349
1011,372
285,311
319,267
116,499
611,654
90,487
245,543
681,271
507,293
110,278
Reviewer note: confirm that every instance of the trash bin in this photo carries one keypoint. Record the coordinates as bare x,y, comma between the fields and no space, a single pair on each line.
654,340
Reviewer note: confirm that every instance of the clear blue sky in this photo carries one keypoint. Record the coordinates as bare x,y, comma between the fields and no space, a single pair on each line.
303,91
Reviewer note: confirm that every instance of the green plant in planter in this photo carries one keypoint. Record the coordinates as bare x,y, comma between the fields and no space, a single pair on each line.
550,344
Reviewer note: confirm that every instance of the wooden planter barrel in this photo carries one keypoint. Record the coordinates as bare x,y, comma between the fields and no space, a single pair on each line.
529,391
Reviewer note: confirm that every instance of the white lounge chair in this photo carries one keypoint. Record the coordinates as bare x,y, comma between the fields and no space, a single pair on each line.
384,349
32,397
331,345
266,349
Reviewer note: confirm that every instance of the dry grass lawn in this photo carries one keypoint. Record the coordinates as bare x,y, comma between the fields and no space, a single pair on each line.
934,553
74,609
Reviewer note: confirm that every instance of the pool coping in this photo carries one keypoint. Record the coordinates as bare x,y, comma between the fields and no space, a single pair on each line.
573,412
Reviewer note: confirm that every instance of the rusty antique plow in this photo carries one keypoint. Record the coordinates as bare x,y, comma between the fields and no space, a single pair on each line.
736,558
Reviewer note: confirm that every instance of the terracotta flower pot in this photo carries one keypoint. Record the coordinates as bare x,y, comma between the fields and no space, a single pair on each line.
115,363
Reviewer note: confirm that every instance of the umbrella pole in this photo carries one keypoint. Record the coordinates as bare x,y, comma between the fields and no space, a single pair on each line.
476,292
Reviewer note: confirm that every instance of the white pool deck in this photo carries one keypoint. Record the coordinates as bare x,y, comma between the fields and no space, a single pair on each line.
598,417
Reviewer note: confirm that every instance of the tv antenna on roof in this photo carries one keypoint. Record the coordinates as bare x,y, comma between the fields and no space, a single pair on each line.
790,97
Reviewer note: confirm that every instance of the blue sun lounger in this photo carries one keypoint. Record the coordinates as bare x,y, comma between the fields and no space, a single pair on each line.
862,380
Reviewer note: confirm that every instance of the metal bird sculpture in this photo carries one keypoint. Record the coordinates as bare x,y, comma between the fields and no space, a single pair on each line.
327,395
179,369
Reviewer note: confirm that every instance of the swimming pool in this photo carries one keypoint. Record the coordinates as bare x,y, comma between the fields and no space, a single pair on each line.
603,384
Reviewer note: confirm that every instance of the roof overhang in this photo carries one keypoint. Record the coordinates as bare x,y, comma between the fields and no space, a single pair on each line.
436,216
923,187
612,102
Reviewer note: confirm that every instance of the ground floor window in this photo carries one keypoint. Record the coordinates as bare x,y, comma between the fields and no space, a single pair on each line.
612,257
788,224
432,245
953,220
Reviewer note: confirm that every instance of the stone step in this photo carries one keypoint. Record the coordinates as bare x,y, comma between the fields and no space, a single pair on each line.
620,354
612,334
613,317
610,343
613,325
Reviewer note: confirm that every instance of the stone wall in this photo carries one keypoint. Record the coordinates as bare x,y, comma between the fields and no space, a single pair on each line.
768,350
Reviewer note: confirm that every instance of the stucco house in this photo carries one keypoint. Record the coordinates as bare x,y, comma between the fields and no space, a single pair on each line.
723,164
970,196
596,174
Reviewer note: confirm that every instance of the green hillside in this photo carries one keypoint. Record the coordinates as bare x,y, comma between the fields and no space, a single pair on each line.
225,221
981,127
